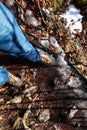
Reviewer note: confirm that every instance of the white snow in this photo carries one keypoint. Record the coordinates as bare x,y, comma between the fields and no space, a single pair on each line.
74,82
74,19
58,50
33,21
30,19
28,13
45,43
57,47
9,2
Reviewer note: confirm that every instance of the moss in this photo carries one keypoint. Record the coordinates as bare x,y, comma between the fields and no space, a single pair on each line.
57,3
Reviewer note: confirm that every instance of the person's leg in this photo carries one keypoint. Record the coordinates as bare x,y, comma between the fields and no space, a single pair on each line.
3,76
13,41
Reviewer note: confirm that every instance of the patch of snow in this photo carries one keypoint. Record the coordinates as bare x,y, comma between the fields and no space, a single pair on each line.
80,92
74,82
30,19
61,61
57,48
45,43
65,72
74,19
9,2
28,13
33,21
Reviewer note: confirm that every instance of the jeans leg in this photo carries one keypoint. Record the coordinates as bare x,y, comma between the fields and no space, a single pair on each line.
3,76
12,39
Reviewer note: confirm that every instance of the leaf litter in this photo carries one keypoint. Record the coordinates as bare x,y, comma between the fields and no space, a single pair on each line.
52,97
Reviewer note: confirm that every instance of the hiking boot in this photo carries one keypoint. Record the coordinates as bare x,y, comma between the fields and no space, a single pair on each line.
13,80
44,58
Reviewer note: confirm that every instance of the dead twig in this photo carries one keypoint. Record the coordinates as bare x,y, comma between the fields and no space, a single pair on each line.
42,17
78,72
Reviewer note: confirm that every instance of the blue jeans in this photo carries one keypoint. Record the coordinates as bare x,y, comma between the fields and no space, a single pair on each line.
13,41
3,76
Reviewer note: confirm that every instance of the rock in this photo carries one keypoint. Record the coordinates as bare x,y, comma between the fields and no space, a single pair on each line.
44,115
